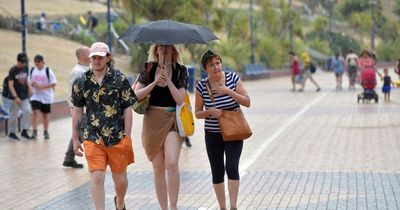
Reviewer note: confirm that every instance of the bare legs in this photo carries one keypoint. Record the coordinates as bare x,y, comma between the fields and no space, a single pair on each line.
387,97
46,121
233,189
167,160
219,190
120,185
292,78
35,118
338,81
309,76
97,188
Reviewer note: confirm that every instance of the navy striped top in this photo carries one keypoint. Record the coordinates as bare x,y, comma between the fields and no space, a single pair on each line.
221,101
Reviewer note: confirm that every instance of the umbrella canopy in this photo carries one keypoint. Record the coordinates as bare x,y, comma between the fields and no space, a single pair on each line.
168,32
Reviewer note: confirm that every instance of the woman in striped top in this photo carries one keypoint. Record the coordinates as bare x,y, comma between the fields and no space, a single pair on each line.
228,93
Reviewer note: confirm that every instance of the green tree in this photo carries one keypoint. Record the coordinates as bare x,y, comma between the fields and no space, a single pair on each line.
320,24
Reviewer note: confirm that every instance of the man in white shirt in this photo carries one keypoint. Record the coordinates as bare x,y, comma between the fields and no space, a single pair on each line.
82,54
43,82
351,64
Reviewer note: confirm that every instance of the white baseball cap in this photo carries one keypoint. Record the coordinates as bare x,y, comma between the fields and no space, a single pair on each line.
99,48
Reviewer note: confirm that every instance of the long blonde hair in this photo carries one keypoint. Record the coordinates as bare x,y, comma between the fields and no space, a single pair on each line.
153,57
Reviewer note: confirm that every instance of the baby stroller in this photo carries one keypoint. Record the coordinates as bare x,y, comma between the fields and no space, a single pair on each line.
368,82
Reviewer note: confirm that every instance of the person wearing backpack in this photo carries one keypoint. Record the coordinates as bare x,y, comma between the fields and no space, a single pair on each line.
43,82
351,64
91,22
20,90
306,72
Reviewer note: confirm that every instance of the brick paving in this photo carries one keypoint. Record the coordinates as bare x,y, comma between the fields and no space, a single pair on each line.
310,150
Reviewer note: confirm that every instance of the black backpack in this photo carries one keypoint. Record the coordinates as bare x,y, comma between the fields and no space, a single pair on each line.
95,22
313,68
6,90
47,73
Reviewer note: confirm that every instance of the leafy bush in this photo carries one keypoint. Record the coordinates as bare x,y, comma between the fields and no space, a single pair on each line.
337,43
388,51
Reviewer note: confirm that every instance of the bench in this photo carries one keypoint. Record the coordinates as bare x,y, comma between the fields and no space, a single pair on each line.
4,118
255,71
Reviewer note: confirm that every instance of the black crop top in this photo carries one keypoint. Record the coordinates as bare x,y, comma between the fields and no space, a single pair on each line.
161,96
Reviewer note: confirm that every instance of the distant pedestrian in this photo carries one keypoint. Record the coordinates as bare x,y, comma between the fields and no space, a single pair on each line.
228,92
387,84
43,23
351,64
366,61
43,82
83,65
306,72
20,91
397,68
295,65
92,21
338,69
108,97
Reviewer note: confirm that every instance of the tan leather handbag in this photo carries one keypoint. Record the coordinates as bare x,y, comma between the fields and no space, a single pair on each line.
232,123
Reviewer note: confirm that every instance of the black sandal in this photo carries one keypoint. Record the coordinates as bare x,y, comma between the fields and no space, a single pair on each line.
115,202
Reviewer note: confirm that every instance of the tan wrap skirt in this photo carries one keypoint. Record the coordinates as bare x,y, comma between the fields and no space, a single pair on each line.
157,123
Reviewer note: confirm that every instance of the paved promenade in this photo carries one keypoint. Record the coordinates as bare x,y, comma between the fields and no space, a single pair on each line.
309,150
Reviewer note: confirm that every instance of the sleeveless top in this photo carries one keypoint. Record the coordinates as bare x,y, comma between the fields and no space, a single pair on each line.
161,96
221,101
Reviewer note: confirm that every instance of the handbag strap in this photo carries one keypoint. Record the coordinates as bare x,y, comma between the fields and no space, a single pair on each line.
208,87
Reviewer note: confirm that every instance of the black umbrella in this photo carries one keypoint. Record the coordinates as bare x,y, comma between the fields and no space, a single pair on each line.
168,32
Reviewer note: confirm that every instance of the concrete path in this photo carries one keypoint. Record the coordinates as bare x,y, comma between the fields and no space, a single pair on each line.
309,150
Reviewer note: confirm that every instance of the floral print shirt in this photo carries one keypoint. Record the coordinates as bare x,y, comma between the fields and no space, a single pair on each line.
105,104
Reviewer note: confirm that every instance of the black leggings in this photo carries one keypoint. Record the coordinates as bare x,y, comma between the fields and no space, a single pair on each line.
216,148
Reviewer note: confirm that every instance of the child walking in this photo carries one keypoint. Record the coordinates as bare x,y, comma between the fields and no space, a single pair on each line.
387,82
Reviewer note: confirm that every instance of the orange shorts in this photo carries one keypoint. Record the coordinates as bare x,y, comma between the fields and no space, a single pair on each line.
118,156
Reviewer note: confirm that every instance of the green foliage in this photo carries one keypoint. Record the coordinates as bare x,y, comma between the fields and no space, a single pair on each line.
349,7
388,50
120,26
85,38
320,24
338,42
274,52
389,31
321,45
235,53
139,56
397,9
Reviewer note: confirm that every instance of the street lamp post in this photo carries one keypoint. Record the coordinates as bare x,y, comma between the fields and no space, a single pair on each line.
251,34
23,26
109,25
373,30
330,9
291,27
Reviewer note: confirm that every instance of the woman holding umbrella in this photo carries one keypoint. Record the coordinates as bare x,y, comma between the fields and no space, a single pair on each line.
166,83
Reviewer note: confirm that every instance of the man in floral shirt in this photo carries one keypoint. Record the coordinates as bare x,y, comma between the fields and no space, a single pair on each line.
107,96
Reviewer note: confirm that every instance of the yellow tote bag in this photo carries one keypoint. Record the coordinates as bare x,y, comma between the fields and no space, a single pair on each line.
184,117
